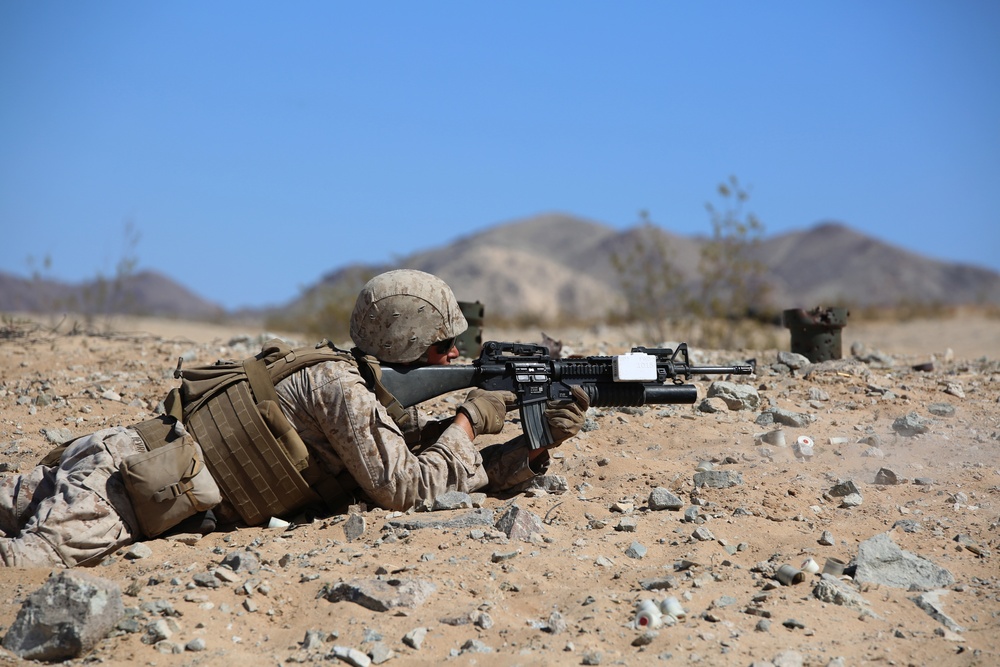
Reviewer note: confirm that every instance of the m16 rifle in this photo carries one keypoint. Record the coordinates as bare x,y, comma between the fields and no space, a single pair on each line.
641,377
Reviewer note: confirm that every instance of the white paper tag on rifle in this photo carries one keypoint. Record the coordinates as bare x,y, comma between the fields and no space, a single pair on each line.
634,367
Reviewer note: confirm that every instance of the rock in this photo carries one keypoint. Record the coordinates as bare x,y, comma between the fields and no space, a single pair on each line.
627,524
931,603
793,360
415,638
851,500
381,595
941,409
452,500
351,656
712,406
242,562
788,658
844,489
196,645
911,424
475,646
830,589
784,417
718,479
826,539
476,517
65,618
57,436
886,477
736,396
881,561
636,551
355,526
138,551
702,534
380,652
662,499
554,484
519,524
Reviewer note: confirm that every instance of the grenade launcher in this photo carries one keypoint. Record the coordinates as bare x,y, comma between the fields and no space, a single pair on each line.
639,377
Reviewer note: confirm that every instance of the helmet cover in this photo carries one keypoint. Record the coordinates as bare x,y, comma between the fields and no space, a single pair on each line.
401,313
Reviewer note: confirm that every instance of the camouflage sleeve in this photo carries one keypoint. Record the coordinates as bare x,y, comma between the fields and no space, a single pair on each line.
342,422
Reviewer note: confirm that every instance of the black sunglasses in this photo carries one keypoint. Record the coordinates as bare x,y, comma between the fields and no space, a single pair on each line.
444,346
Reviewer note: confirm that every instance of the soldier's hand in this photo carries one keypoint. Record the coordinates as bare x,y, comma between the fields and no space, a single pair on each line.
566,419
486,410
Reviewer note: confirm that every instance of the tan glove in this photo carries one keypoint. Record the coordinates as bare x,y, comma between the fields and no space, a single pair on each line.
486,410
566,419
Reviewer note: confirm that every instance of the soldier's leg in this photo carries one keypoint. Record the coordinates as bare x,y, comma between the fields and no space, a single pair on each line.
19,497
88,514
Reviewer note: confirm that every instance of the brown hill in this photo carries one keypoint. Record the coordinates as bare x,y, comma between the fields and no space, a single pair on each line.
559,265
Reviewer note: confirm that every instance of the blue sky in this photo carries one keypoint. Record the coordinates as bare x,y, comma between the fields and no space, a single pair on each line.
254,146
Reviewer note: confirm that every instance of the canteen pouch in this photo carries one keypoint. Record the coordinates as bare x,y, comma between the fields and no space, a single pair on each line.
168,483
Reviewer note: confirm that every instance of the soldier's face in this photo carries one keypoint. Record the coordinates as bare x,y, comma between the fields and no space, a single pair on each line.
437,357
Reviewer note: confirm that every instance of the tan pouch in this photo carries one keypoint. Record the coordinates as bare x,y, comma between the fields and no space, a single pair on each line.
168,484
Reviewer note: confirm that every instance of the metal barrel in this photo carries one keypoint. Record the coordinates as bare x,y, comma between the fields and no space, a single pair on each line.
624,394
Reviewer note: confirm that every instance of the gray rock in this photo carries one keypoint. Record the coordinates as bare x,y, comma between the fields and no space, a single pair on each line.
415,638
452,500
554,484
57,436
351,656
931,603
941,409
718,479
242,561
784,417
138,551
380,652
844,489
712,406
886,477
662,499
477,517
736,396
851,500
881,561
636,551
519,524
379,594
793,360
65,618
831,590
196,645
911,424
702,534
788,658
355,527
475,646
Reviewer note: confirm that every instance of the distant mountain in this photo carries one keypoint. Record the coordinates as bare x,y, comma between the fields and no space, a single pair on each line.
558,265
144,293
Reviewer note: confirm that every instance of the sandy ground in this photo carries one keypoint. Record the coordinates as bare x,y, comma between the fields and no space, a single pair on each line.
568,594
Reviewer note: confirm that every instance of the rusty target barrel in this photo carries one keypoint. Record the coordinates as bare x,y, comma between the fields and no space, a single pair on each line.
816,333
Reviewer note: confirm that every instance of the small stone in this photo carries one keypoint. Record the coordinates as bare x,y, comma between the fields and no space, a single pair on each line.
627,524
886,477
911,424
851,500
196,645
826,539
702,534
354,527
415,638
138,551
352,656
452,500
636,551
662,499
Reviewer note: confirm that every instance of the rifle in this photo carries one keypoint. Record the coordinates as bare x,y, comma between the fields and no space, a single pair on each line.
636,378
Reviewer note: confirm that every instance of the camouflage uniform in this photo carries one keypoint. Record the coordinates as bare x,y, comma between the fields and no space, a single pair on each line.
72,514
345,428
78,512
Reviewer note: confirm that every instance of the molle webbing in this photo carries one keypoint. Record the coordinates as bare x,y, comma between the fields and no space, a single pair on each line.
258,460
254,471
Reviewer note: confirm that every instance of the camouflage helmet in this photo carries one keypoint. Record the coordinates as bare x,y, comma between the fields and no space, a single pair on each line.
399,314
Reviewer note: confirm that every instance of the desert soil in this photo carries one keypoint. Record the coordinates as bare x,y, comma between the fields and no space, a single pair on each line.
567,594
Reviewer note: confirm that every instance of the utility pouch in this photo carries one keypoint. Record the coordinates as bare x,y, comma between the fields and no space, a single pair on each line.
169,482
